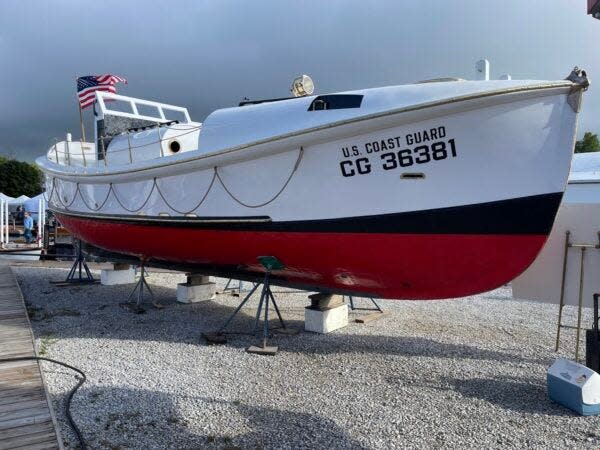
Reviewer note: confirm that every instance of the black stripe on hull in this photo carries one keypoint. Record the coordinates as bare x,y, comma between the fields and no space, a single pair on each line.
524,215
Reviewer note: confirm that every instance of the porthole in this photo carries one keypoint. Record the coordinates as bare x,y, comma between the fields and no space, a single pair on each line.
174,146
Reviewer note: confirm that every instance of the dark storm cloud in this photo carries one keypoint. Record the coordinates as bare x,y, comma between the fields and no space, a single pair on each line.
210,54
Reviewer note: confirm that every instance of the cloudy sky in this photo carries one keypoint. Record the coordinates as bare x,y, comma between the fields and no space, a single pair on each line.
210,54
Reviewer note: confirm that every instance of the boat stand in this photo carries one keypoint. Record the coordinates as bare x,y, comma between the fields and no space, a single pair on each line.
136,296
142,269
369,317
266,297
235,292
79,273
583,248
353,308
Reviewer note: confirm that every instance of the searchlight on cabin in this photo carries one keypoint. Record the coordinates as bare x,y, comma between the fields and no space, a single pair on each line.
302,86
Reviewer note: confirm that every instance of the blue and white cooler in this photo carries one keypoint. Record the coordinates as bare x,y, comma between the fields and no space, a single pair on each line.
574,386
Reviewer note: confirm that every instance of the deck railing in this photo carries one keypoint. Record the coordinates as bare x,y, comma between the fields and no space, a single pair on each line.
63,153
159,115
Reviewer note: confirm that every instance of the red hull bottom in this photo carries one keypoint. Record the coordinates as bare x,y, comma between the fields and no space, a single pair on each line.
384,265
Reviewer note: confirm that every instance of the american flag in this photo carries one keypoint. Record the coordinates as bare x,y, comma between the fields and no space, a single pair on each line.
87,86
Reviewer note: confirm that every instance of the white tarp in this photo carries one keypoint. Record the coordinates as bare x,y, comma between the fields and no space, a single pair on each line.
6,197
586,162
579,213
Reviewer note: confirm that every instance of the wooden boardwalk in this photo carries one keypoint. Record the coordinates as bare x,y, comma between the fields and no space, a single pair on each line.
26,417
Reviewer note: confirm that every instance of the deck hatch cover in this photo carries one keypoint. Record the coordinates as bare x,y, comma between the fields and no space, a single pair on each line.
335,101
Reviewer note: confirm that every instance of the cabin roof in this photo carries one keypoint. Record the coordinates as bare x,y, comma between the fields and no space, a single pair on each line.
230,127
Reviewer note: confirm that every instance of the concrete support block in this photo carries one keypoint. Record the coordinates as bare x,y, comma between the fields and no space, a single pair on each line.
198,288
119,275
325,314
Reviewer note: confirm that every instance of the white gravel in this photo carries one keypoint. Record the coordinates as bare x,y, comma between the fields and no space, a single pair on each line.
469,373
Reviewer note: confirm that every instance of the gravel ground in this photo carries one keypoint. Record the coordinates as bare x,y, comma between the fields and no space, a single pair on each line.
468,373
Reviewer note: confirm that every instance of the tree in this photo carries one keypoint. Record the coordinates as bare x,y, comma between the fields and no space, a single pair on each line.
589,143
20,178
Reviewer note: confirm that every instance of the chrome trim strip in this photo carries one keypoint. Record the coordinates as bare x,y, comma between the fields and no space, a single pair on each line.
162,219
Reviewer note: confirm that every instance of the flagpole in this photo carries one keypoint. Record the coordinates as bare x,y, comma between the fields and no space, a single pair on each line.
81,122
80,118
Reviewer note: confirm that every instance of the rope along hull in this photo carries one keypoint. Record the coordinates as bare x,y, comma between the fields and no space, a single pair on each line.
443,253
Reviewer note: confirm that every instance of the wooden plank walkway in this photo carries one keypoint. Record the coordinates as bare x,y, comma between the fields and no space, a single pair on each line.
26,417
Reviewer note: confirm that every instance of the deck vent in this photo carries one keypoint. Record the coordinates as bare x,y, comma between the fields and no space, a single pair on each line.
440,80
413,176
174,146
164,214
191,215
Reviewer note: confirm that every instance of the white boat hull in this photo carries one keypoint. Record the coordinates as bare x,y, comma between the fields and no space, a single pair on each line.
498,152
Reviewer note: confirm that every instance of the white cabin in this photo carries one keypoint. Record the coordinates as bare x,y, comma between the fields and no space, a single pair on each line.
130,130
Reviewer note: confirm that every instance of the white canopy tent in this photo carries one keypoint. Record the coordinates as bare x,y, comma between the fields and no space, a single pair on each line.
6,198
14,201
21,199
36,206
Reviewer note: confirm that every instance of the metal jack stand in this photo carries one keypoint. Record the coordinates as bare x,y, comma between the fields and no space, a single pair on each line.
79,273
269,263
583,248
138,294
353,308
369,317
233,289
142,269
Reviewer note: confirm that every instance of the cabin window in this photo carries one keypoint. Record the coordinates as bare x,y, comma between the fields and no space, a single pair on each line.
336,101
118,105
148,110
173,115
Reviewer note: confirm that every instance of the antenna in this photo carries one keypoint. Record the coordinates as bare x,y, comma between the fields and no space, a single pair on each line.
482,69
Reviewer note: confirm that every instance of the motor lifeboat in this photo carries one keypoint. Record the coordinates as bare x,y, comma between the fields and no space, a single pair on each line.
423,191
